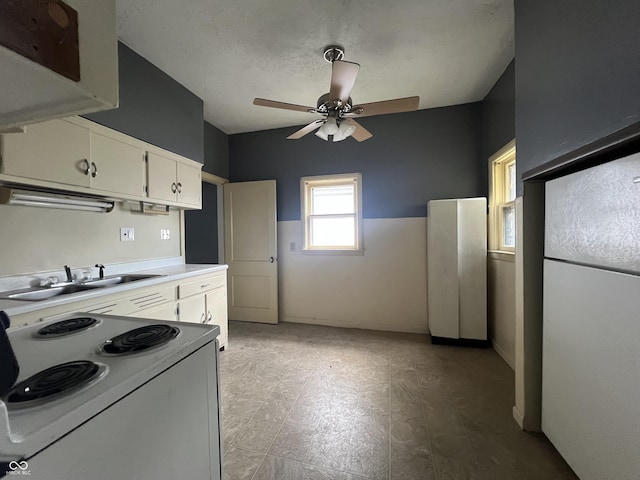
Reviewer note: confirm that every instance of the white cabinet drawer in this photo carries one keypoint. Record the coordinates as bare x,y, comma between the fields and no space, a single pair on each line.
203,284
149,299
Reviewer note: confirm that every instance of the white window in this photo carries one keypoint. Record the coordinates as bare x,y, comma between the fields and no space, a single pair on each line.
502,200
332,213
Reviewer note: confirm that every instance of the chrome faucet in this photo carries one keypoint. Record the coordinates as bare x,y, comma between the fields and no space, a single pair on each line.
101,267
68,272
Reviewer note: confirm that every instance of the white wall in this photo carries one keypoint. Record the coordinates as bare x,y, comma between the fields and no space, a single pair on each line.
42,239
501,271
384,289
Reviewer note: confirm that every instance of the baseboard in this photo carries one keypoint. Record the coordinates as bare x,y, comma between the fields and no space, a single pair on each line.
347,324
518,417
500,351
461,342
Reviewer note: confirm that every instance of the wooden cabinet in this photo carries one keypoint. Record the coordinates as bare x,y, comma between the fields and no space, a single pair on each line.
56,151
173,181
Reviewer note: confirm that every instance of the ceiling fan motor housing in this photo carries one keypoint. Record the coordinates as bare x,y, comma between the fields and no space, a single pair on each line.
326,105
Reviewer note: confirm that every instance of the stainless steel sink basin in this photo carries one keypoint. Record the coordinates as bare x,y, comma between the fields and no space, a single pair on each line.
35,294
117,280
43,293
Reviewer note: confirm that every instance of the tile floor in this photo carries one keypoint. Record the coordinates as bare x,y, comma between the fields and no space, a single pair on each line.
308,402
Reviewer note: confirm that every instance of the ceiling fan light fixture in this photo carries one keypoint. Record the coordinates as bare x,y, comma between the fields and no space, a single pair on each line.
345,130
321,133
330,126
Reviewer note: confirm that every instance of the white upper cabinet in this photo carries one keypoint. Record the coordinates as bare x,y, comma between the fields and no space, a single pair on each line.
55,151
34,36
173,180
77,155
117,163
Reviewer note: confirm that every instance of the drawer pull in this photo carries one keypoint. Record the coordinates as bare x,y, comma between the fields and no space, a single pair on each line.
204,286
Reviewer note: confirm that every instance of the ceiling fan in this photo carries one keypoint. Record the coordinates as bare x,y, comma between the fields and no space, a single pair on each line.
337,107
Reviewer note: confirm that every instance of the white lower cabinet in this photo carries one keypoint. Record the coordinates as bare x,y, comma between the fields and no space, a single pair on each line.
216,302
204,300
167,312
198,299
192,310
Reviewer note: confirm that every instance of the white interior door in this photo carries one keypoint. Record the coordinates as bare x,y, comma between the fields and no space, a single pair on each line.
250,250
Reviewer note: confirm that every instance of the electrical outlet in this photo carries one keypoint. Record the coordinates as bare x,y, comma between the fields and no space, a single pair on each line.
165,234
127,234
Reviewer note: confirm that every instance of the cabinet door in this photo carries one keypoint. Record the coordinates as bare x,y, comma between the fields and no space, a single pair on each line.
116,166
189,185
192,310
168,312
217,312
162,177
54,151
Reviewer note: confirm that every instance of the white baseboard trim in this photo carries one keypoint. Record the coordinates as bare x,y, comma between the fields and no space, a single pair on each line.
500,351
347,324
518,417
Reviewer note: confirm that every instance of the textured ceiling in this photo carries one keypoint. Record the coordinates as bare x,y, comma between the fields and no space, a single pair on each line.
229,51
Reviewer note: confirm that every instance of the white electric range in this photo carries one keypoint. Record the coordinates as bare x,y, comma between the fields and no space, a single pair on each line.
102,397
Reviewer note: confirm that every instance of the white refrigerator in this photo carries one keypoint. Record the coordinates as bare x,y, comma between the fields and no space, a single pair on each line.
591,320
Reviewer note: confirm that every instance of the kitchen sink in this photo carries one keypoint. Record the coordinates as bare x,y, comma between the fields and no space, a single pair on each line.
43,293
117,280
35,294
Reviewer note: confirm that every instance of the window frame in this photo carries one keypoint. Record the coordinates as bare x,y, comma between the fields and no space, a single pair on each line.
306,184
499,199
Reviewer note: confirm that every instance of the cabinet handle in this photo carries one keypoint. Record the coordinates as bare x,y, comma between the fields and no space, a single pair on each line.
87,168
203,318
173,187
271,259
179,187
209,317
94,170
204,286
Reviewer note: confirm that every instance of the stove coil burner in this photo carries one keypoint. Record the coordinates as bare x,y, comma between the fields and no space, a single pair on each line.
140,339
52,382
66,327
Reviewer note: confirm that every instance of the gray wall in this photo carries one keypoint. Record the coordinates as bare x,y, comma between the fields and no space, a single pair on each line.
155,108
411,159
216,151
499,113
201,229
577,75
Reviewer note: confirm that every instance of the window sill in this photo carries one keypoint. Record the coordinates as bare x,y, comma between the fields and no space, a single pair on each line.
336,253
502,255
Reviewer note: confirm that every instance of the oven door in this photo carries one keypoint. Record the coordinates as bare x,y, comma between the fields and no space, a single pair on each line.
166,429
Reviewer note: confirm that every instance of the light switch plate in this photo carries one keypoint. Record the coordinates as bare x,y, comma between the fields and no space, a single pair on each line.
165,234
127,234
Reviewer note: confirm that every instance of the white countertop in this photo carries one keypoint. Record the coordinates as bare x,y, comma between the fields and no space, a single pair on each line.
169,270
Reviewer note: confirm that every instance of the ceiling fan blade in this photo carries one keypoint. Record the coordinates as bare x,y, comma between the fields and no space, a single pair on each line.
343,76
304,130
408,104
360,133
285,106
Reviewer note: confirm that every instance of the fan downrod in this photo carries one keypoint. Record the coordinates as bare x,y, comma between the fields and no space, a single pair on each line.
333,53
